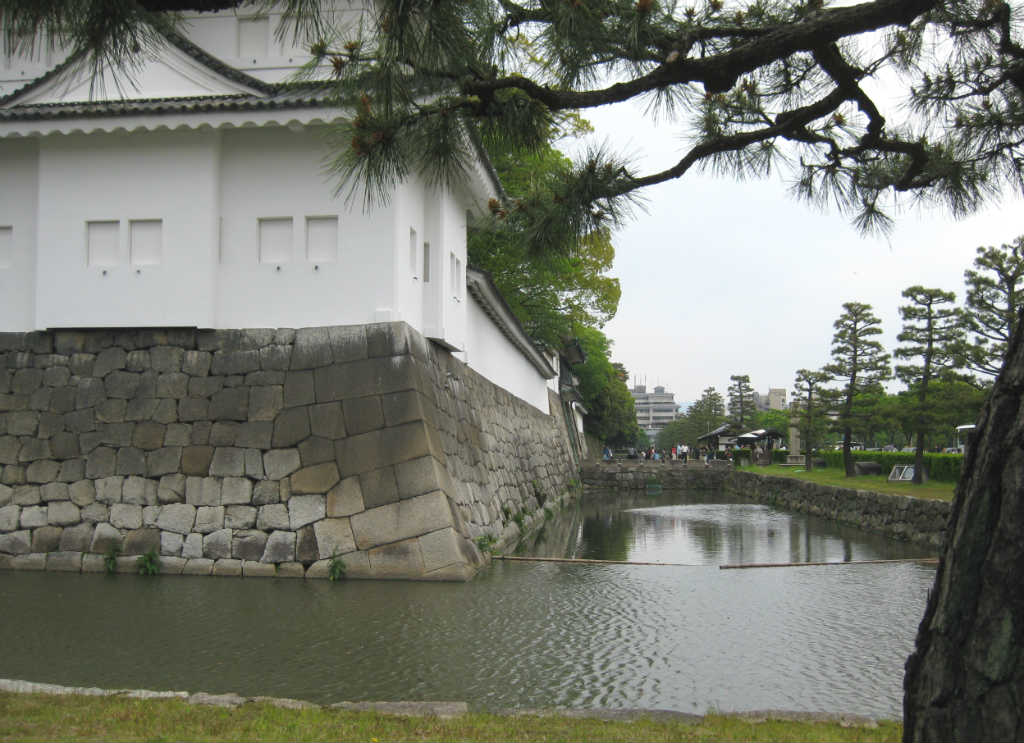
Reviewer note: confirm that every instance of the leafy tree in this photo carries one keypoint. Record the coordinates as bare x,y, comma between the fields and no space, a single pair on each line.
741,400
995,296
860,362
707,413
809,408
611,412
776,419
760,85
931,333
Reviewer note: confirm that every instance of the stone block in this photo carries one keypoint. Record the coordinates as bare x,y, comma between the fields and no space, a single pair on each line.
327,420
254,464
195,460
316,450
76,538
276,357
26,495
9,517
201,433
228,461
172,565
280,547
16,542
141,541
290,570
305,545
348,343
224,433
236,491
171,489
63,513
172,385
80,421
192,545
109,489
266,402
13,474
217,544
254,435
46,538
64,562
111,411
56,376
248,544
209,519
266,492
9,446
423,475
379,376
150,514
170,543
126,516
178,434
290,427
107,361
402,407
33,450
363,414
402,520
444,548
177,517
139,491
319,479
230,405
312,348
193,409
273,516
54,491
163,461
26,381
165,412
64,445
333,536
22,423
305,509
376,449
165,359
196,363
235,362
137,360
131,461
93,564
87,442
63,399
71,470
197,566
397,560
202,491
199,387
35,561
50,424
256,569
104,539
379,487
122,384
148,435
95,513
6,495
101,462
279,463
33,516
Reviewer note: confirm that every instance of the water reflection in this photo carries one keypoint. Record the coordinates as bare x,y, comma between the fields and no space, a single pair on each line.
521,635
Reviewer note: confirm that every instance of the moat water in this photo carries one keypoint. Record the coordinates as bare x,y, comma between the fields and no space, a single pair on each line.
522,635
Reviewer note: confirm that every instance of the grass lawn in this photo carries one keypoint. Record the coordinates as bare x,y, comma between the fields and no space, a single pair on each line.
876,483
42,717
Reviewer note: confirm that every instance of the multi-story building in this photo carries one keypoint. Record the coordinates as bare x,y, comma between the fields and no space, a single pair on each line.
774,400
654,410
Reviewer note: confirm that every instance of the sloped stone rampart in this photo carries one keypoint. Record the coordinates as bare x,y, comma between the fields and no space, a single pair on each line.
265,452
897,516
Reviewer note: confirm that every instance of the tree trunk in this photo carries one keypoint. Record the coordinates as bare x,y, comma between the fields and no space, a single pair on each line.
965,679
847,455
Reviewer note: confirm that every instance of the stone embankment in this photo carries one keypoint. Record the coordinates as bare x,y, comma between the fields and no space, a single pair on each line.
896,516
265,452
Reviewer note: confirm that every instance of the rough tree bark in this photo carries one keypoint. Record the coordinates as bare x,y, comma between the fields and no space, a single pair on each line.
965,679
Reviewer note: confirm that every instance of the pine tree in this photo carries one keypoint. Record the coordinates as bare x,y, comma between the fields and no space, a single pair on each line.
932,332
708,412
741,401
995,297
809,407
860,362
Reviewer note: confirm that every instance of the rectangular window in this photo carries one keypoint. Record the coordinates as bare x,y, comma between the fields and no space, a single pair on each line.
6,246
253,37
103,243
414,263
426,263
276,240
145,241
322,239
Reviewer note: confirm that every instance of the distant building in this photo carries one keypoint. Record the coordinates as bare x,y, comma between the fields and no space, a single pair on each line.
774,400
654,410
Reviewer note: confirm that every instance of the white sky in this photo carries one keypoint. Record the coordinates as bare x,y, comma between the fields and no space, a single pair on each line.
722,277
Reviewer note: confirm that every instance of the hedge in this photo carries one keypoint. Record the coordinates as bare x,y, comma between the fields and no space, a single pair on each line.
939,467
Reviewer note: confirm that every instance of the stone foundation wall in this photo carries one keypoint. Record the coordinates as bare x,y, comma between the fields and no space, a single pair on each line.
896,516
264,452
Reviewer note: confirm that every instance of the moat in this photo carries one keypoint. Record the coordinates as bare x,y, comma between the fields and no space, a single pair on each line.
521,635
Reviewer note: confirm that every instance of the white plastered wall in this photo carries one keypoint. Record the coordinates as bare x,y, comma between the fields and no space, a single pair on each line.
19,187
491,354
148,198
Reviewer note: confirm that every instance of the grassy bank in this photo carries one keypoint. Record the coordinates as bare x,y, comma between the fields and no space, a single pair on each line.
42,717
876,483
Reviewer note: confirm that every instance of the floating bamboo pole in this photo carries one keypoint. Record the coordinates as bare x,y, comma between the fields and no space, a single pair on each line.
594,562
744,566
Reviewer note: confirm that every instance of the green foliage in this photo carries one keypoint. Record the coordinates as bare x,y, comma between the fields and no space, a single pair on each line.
486,543
741,402
336,568
811,402
940,467
110,559
149,563
520,519
611,413
995,294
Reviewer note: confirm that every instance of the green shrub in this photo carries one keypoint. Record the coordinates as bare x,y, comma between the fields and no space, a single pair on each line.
939,467
149,563
336,568
779,456
110,559
485,543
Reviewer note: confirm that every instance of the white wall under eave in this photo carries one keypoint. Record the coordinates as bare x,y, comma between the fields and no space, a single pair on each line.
411,202
18,209
276,173
164,177
492,355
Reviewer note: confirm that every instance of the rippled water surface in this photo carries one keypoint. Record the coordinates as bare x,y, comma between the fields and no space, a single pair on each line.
687,638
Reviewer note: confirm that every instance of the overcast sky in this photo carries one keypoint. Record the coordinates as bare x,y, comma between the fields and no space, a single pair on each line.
722,278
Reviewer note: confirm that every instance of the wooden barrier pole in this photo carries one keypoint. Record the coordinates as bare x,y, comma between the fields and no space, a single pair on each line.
594,562
745,566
